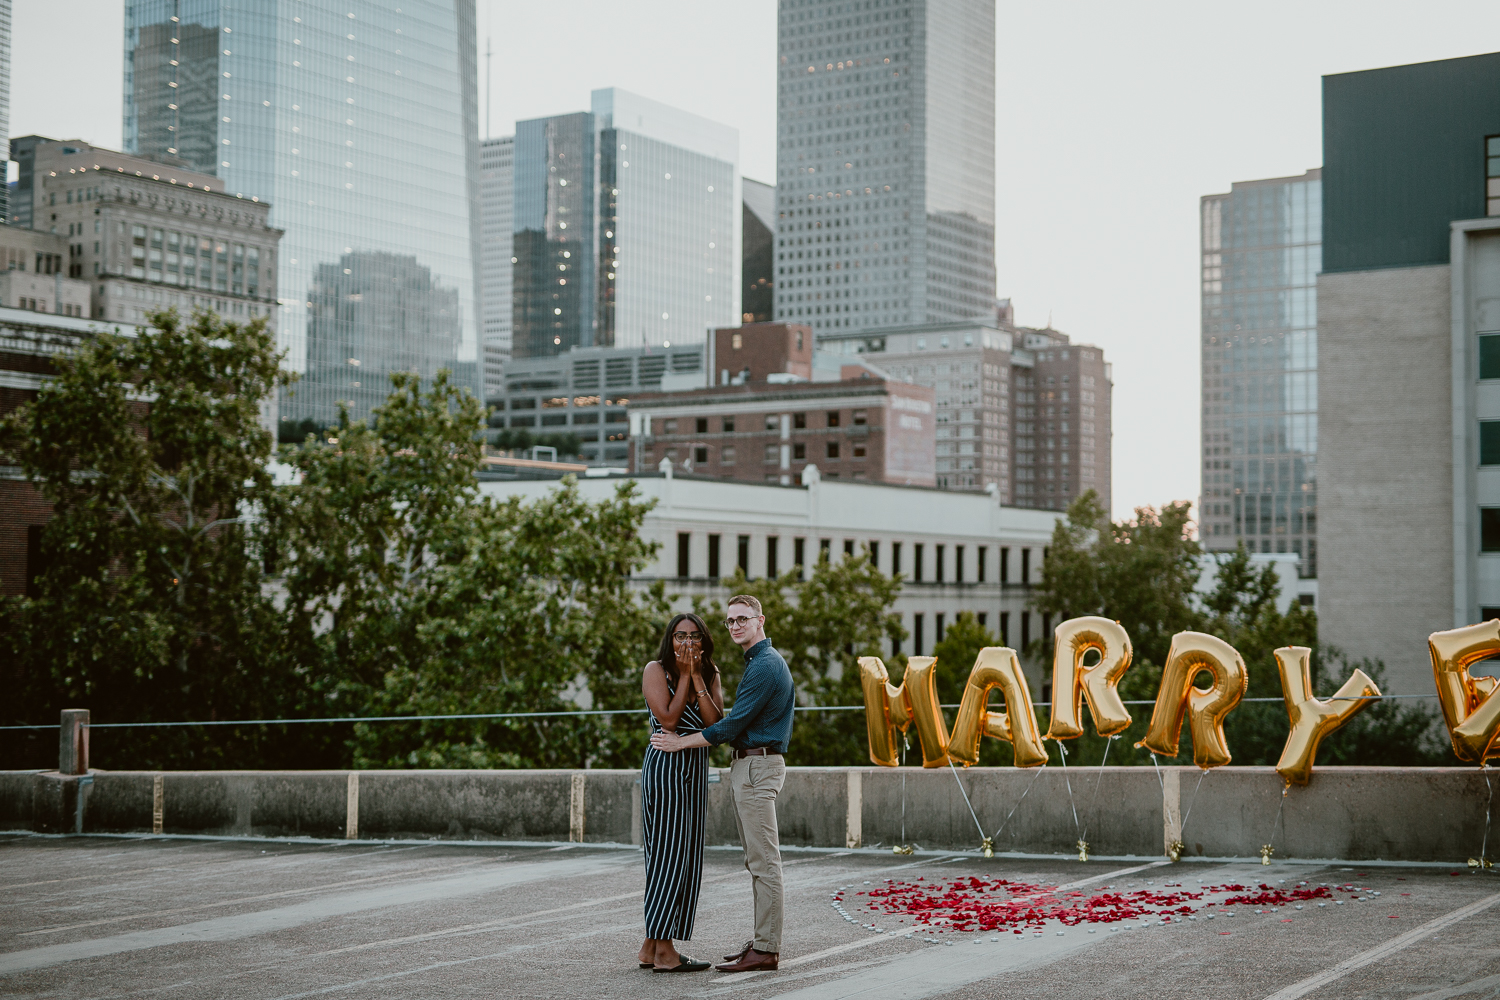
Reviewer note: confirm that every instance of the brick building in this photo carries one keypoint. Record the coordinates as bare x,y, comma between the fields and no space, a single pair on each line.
860,427
29,341
1019,409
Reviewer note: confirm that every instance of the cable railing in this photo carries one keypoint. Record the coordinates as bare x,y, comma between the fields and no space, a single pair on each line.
577,713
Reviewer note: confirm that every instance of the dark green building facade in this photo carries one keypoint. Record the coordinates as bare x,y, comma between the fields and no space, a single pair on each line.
1404,155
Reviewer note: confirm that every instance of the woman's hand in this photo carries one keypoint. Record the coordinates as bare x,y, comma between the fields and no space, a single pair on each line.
688,656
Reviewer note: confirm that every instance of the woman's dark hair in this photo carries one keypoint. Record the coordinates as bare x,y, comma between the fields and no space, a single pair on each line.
667,656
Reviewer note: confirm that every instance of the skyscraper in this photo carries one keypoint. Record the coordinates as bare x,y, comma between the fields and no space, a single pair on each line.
627,227
1262,251
758,252
885,188
4,105
358,124
497,184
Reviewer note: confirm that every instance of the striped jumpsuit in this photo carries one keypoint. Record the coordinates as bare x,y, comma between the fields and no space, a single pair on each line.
674,797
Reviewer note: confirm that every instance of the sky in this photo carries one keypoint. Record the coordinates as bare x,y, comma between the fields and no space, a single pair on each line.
1113,120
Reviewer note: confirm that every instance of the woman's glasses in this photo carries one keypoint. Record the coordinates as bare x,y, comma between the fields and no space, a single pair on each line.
694,637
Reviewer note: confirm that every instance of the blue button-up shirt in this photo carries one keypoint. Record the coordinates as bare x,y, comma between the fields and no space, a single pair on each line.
763,704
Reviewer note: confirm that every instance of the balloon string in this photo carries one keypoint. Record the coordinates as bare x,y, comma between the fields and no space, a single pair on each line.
1159,780
903,789
1484,844
966,798
1095,800
1062,752
1013,808
1271,840
1191,802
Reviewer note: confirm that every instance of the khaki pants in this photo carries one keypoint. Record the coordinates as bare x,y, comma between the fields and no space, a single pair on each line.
755,782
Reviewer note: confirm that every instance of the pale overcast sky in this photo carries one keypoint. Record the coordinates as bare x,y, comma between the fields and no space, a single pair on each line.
1113,120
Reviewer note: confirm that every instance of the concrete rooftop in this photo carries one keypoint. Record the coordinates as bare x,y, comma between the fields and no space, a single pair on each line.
170,917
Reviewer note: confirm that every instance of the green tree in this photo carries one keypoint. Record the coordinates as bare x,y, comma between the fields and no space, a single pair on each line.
151,450
822,625
410,593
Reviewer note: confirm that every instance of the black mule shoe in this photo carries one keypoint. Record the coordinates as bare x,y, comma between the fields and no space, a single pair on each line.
685,964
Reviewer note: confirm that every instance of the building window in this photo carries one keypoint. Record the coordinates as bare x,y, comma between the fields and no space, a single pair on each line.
773,453
702,425
1489,529
833,449
799,555
773,422
984,554
713,556
1025,573
799,420
941,552
744,555
896,643
726,455
669,427
773,549
684,541
1492,175
736,341
1004,564
937,629
833,418
728,425
916,635
1489,356
895,559
916,562
861,418
799,452
1025,629
825,549
700,455
1489,442
874,549
848,548
1004,626
858,450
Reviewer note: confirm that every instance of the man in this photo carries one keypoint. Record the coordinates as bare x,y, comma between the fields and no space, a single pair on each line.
759,728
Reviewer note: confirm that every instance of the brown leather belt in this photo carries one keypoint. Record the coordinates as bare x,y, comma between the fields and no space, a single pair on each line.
756,752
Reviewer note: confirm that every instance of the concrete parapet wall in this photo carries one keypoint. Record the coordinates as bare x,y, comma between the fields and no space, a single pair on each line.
1354,813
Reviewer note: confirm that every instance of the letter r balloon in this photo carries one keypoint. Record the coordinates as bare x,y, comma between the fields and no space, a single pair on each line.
1205,708
1072,682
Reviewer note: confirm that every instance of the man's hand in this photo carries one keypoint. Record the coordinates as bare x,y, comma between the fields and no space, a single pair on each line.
671,742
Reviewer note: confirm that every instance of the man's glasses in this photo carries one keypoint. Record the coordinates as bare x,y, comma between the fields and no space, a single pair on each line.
737,622
696,637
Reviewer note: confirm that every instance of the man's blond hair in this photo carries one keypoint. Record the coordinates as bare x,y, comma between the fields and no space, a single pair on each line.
746,600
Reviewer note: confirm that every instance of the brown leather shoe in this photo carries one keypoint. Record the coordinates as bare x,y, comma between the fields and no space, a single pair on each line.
752,961
741,953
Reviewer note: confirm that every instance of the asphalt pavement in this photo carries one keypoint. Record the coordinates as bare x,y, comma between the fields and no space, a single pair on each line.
84,917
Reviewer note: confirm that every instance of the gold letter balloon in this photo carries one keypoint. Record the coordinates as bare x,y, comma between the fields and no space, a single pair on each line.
914,702
1471,707
1312,719
1073,640
1205,708
997,667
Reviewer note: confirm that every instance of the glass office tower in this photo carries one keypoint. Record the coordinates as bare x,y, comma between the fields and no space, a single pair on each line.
1262,251
358,124
497,184
627,227
885,189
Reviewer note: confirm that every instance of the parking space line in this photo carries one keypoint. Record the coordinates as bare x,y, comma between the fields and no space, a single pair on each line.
1375,954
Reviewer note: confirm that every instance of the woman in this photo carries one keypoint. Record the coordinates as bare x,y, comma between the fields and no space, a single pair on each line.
684,695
